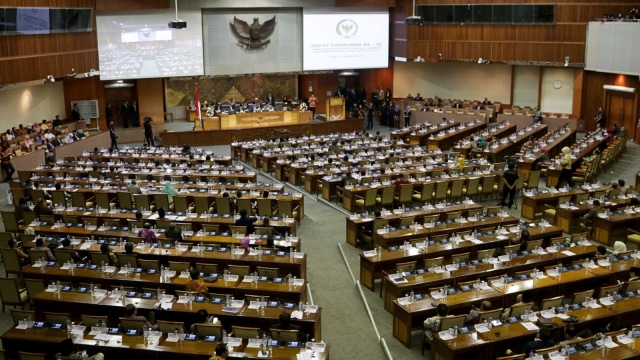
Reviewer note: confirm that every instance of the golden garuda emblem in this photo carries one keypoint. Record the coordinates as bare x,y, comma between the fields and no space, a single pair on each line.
253,36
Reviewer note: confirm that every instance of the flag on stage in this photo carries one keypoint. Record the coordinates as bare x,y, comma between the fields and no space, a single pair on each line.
198,114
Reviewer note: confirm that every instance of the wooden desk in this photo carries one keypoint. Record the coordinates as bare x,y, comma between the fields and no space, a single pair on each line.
355,223
114,280
533,204
606,228
76,304
47,340
495,132
568,217
420,283
512,144
452,135
586,147
400,236
410,317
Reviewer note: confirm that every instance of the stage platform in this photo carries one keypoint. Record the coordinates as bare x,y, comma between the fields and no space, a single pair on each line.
224,137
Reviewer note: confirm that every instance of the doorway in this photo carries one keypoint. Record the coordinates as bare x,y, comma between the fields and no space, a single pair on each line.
620,108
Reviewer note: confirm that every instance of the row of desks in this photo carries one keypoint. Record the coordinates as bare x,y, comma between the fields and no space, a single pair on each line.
495,342
411,316
121,278
373,267
296,266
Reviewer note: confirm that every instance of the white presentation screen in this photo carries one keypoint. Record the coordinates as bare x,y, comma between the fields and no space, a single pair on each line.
141,45
345,40
610,47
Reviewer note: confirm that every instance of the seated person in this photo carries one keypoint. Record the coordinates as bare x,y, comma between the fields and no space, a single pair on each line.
113,259
128,248
588,217
285,324
521,239
130,312
22,256
196,284
65,244
571,335
524,297
432,324
68,349
202,317
474,314
173,232
40,247
220,352
544,339
147,235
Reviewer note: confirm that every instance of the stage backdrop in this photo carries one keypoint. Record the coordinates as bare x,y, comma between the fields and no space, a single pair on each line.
224,55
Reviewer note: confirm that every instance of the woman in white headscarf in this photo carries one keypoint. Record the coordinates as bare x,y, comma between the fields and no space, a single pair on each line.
565,162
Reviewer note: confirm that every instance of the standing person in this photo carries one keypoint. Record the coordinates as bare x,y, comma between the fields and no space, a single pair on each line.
108,113
600,118
124,114
565,174
75,113
134,114
7,166
370,116
510,179
113,136
148,131
407,116
313,103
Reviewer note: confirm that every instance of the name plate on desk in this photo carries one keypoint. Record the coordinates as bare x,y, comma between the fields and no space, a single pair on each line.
249,278
230,277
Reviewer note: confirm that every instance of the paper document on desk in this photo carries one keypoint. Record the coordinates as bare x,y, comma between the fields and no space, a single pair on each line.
548,314
568,253
481,328
22,326
606,302
476,241
445,335
625,339
297,314
103,336
529,325
610,344
254,343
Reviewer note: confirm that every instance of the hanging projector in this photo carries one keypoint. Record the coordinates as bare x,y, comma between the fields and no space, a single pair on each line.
413,20
177,23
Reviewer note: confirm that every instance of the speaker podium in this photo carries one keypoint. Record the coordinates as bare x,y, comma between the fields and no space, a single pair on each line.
335,109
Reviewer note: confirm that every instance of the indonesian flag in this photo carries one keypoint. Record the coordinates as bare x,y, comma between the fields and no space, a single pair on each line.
198,114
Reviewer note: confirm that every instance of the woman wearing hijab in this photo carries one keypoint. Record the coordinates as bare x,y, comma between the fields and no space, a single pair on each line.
169,190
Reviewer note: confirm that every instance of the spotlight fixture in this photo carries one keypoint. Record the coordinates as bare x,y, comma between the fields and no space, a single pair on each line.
418,59
72,73
566,61
439,56
49,79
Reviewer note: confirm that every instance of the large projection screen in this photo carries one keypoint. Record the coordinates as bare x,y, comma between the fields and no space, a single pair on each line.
345,39
611,47
141,45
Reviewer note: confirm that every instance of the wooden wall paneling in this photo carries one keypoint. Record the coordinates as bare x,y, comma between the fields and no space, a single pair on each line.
119,5
321,84
371,79
578,85
151,101
85,89
49,3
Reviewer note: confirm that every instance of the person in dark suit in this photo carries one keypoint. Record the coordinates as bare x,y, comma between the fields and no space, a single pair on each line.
124,114
509,188
285,324
271,100
113,136
544,339
247,221
75,113
108,112
134,114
